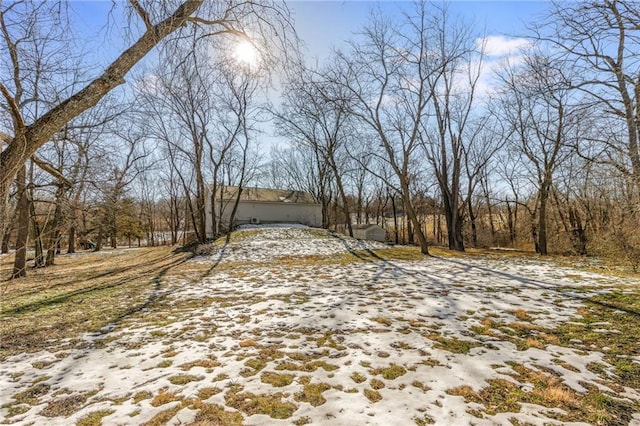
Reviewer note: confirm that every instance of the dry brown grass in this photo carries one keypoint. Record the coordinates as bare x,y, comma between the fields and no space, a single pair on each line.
204,363
372,395
269,404
80,293
593,407
164,397
248,343
312,392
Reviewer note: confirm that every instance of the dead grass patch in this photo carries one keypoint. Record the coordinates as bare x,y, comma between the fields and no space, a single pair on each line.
311,392
215,415
452,344
594,407
271,405
163,417
307,366
164,397
383,321
277,380
358,378
206,393
183,379
141,396
220,377
94,419
376,384
329,341
208,364
418,384
15,409
522,315
307,356
32,395
81,293
424,420
64,406
372,395
255,365
391,372
302,421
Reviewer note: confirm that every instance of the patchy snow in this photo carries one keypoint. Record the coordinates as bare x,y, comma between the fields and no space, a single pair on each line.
348,317
300,241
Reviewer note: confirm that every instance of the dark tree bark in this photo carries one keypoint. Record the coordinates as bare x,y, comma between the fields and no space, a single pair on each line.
20,261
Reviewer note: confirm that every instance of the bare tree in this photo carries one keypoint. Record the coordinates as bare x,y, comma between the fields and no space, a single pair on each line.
158,19
602,41
33,46
455,63
537,105
179,101
126,161
479,151
291,168
386,77
315,116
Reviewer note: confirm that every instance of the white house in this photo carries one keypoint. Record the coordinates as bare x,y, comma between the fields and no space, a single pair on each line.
261,205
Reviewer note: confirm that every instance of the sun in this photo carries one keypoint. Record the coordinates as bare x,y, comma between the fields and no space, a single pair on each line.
246,53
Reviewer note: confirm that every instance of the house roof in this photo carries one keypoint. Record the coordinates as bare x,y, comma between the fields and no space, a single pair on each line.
268,195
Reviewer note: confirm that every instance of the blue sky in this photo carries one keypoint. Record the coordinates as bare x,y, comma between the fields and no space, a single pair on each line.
322,24
326,24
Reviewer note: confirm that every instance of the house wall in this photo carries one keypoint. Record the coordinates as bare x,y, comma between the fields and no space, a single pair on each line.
268,212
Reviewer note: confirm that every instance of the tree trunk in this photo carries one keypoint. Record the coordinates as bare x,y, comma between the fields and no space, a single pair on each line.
20,261
201,226
472,220
542,223
343,197
395,217
174,219
424,245
511,224
534,233
234,210
410,236
39,261
578,234
453,219
4,247
99,239
491,224
71,248
54,237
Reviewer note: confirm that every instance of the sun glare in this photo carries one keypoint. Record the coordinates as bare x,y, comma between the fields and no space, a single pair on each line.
246,54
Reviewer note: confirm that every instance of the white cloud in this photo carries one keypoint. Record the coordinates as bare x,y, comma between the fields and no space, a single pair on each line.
499,46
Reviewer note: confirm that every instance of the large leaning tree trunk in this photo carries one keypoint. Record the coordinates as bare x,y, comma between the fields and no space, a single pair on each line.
268,20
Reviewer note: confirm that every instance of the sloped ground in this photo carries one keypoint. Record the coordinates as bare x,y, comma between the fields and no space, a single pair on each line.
299,326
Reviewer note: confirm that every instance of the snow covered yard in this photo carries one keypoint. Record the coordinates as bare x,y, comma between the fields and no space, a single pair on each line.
300,326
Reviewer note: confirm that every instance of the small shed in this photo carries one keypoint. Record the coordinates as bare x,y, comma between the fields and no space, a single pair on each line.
370,232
